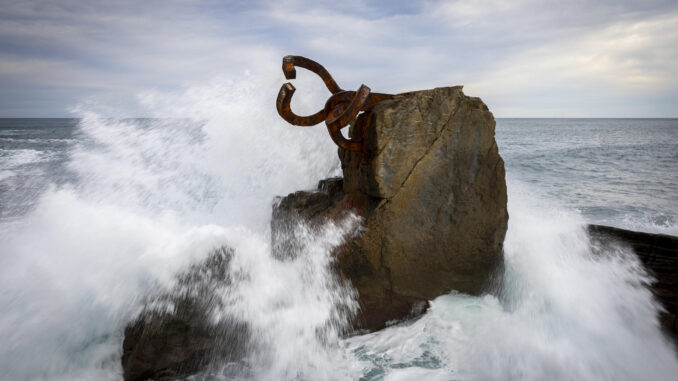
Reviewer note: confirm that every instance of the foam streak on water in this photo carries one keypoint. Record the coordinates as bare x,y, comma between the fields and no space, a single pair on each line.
139,201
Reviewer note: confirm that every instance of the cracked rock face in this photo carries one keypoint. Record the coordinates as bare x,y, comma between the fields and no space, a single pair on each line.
431,189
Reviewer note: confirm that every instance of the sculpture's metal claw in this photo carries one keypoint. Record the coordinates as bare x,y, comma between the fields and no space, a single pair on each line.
340,109
342,115
289,62
285,111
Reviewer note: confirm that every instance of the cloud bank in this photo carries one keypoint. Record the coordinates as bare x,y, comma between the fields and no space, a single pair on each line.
524,58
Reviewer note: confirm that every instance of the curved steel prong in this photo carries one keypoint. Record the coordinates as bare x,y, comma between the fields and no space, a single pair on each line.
340,99
342,114
289,62
340,109
284,110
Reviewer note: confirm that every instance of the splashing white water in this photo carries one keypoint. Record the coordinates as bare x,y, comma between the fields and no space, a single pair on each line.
155,196
565,313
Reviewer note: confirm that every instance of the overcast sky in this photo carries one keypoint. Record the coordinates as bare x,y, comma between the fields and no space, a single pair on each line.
524,58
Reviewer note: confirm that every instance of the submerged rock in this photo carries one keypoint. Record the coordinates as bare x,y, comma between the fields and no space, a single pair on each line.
431,190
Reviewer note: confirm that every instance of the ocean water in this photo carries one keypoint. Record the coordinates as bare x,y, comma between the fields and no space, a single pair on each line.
98,213
33,154
619,172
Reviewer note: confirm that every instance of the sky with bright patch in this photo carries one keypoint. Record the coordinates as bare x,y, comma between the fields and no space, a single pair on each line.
524,58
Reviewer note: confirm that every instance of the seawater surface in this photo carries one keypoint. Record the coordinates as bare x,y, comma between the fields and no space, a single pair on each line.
98,213
620,172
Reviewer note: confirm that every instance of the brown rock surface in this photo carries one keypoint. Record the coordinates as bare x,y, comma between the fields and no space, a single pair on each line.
430,187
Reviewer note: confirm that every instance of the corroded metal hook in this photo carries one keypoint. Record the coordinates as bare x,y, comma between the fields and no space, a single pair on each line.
340,109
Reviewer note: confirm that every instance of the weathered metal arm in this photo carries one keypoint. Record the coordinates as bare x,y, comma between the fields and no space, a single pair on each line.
340,109
287,90
283,106
342,115
289,62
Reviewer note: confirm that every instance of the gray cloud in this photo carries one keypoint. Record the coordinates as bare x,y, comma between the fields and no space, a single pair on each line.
524,58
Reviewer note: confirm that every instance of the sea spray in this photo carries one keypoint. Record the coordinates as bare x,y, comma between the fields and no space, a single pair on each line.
296,307
151,197
244,313
566,311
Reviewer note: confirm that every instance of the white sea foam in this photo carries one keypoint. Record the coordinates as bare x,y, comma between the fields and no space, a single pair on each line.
652,223
151,199
17,157
6,174
72,274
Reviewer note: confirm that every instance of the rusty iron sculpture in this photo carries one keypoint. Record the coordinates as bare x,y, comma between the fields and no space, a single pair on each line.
340,109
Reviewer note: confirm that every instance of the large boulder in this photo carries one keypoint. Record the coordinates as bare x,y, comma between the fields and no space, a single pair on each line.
431,191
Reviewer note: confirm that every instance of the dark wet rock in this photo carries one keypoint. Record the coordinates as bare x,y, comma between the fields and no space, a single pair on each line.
659,255
431,191
177,334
